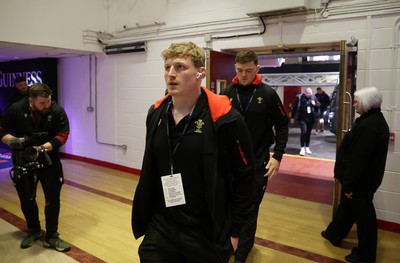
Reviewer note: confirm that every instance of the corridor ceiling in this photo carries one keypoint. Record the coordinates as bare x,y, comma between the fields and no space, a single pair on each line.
12,52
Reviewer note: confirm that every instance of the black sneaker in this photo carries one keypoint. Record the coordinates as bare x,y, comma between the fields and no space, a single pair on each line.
56,243
355,256
31,239
335,243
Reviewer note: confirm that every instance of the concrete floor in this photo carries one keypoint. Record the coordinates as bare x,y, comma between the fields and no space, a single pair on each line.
322,145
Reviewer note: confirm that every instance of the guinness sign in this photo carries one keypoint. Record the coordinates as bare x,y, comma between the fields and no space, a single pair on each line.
7,79
43,70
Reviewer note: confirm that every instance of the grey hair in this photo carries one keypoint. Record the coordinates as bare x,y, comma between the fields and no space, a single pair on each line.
368,98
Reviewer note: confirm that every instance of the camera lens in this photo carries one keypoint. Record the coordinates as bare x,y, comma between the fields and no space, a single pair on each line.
29,154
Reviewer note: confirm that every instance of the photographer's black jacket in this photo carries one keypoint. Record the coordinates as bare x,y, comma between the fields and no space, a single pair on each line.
21,121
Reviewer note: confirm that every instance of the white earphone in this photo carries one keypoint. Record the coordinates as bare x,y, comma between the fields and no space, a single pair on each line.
198,75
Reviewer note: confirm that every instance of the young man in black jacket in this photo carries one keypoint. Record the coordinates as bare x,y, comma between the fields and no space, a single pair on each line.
195,189
263,113
35,128
21,91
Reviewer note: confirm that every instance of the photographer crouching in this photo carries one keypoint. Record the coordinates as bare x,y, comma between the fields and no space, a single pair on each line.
35,128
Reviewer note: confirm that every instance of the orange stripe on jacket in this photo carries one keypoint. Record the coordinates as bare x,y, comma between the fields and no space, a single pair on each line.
219,104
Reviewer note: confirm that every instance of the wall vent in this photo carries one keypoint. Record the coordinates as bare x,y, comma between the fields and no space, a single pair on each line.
268,8
125,48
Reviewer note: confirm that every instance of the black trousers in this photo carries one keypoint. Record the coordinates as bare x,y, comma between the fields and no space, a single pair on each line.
359,209
248,232
305,128
51,179
167,241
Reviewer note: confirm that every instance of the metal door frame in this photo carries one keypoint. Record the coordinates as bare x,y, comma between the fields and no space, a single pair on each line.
347,86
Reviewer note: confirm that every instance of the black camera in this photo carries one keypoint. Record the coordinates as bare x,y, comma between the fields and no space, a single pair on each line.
31,156
27,162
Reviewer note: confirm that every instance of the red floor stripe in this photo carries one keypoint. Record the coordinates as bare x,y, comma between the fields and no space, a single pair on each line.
99,192
304,188
75,252
295,251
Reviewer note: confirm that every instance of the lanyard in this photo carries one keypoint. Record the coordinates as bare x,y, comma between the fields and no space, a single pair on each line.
248,104
172,152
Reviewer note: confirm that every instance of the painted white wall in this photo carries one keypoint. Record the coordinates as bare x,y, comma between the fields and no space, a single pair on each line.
128,84
53,23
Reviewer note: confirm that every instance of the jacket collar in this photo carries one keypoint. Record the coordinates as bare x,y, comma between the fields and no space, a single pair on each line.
219,105
368,113
257,80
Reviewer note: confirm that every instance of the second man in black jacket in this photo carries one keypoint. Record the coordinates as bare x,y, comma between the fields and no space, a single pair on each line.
266,119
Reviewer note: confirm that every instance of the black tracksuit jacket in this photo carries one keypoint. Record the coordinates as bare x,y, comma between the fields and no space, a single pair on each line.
228,167
264,115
